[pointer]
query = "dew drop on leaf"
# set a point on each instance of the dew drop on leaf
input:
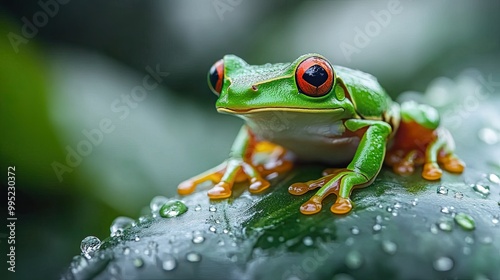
(443, 264)
(481, 189)
(389, 247)
(193, 257)
(119, 224)
(89, 245)
(465, 221)
(354, 260)
(442, 190)
(198, 237)
(157, 202)
(355, 230)
(138, 262)
(173, 208)
(308, 241)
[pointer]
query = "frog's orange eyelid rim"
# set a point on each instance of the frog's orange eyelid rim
(314, 76)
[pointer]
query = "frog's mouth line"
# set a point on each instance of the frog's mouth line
(280, 109)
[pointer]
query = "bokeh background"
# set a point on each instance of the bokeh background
(67, 66)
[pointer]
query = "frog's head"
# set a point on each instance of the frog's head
(306, 85)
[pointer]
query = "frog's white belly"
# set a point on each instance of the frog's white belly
(310, 137)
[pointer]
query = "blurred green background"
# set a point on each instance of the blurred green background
(69, 68)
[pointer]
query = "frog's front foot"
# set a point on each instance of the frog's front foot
(340, 182)
(237, 170)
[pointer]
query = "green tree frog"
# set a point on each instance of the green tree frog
(318, 112)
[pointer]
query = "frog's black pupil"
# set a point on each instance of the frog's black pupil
(214, 76)
(315, 75)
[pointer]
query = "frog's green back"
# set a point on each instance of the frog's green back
(368, 96)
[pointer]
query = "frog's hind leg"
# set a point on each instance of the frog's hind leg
(441, 151)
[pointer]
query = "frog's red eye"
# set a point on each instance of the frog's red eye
(216, 77)
(314, 76)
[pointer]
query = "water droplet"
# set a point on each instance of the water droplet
(377, 227)
(445, 225)
(349, 241)
(217, 221)
(495, 220)
(355, 230)
(221, 242)
(459, 195)
(89, 245)
(494, 178)
(442, 190)
(137, 238)
(434, 229)
(126, 250)
(212, 208)
(138, 262)
(198, 237)
(394, 213)
(414, 202)
(465, 221)
(193, 257)
(212, 229)
(308, 241)
(389, 247)
(481, 189)
(397, 205)
(119, 224)
(469, 240)
(173, 208)
(270, 239)
(443, 264)
(488, 136)
(354, 260)
(281, 239)
(157, 202)
(389, 209)
(445, 210)
(226, 231)
(197, 207)
(378, 219)
(166, 262)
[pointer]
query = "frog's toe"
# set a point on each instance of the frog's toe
(404, 168)
(258, 185)
(298, 188)
(341, 206)
(432, 171)
(186, 187)
(452, 164)
(312, 206)
(221, 190)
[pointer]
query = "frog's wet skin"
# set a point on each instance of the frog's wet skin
(325, 113)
